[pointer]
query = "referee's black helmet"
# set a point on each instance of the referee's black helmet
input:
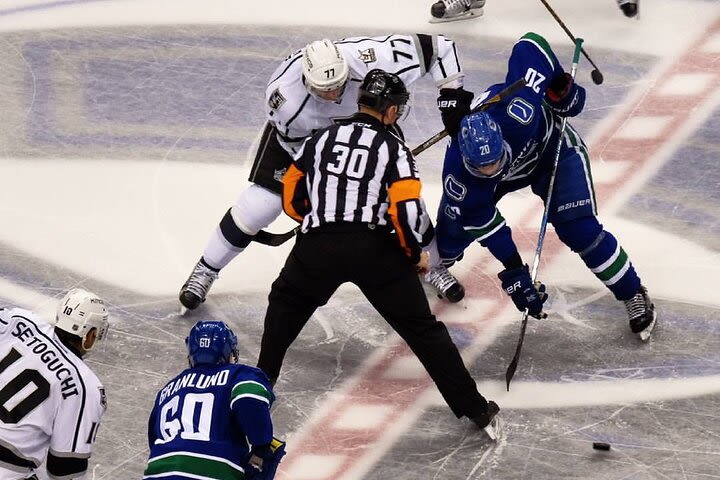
(380, 89)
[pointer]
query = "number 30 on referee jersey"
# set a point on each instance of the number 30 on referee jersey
(351, 161)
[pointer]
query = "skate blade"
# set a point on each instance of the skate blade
(647, 333)
(494, 429)
(183, 310)
(474, 13)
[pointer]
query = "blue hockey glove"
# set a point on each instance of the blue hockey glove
(454, 104)
(264, 460)
(565, 97)
(518, 284)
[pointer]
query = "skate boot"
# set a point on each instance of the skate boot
(489, 421)
(630, 8)
(641, 312)
(196, 287)
(446, 285)
(452, 10)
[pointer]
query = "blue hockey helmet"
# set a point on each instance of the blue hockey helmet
(211, 343)
(481, 144)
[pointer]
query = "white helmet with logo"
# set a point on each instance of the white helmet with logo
(324, 67)
(79, 312)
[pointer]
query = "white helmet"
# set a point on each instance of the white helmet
(324, 67)
(79, 312)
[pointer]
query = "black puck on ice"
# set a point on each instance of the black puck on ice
(601, 446)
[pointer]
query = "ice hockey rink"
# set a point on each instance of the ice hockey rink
(128, 127)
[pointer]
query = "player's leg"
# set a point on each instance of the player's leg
(573, 214)
(452, 10)
(256, 207)
(392, 286)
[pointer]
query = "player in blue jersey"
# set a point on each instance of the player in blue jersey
(212, 421)
(512, 145)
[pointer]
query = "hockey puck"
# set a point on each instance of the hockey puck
(601, 446)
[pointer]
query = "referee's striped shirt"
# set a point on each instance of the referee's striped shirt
(358, 172)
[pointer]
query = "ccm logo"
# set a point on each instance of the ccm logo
(447, 103)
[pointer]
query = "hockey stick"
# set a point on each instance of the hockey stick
(274, 239)
(501, 95)
(543, 225)
(596, 75)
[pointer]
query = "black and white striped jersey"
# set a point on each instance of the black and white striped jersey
(51, 403)
(296, 114)
(358, 172)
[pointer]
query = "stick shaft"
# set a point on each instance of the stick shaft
(567, 31)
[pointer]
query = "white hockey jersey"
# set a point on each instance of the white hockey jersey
(50, 401)
(296, 114)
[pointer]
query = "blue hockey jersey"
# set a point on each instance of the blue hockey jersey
(530, 128)
(205, 420)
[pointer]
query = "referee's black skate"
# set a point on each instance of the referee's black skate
(445, 283)
(489, 421)
(641, 312)
(196, 287)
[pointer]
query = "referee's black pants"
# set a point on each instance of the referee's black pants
(329, 256)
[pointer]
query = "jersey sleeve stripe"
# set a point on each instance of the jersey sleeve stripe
(541, 44)
(250, 388)
(7, 455)
(427, 50)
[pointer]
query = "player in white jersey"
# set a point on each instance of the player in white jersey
(50, 401)
(309, 90)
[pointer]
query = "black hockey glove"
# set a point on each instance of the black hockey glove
(454, 104)
(565, 97)
(518, 284)
(264, 460)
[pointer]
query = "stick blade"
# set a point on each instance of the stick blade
(597, 77)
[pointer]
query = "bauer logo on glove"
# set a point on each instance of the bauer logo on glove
(524, 293)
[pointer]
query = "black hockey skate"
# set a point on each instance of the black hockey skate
(445, 283)
(641, 312)
(195, 288)
(489, 421)
(629, 7)
(453, 10)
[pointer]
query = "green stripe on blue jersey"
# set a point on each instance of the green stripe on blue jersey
(484, 231)
(192, 465)
(249, 388)
(542, 45)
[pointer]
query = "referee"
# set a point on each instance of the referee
(350, 185)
